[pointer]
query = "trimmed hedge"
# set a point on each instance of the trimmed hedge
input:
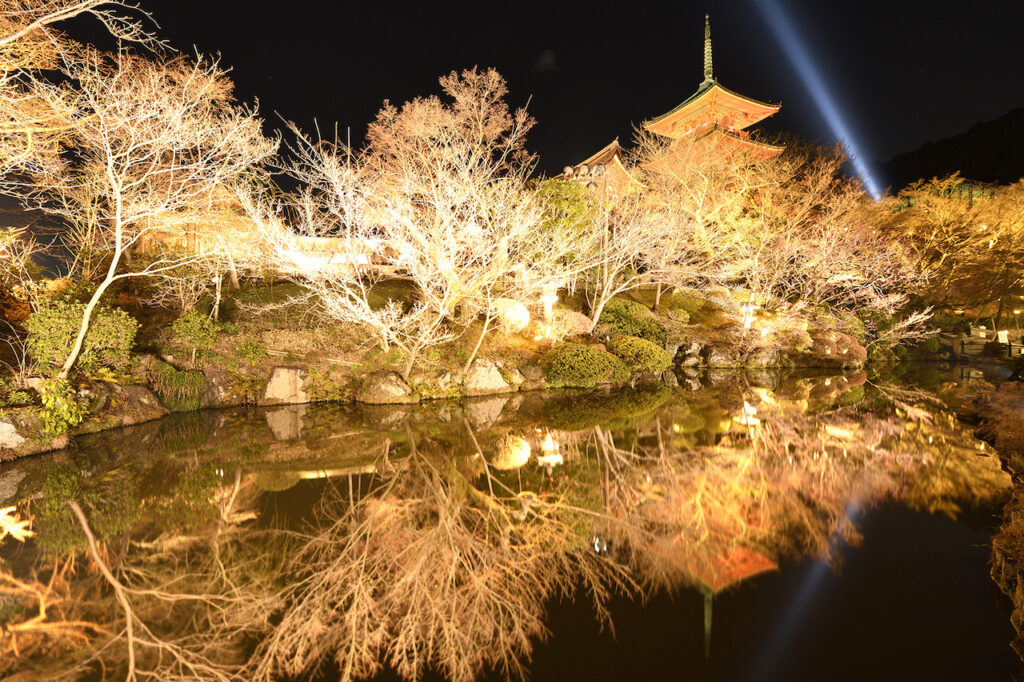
(577, 365)
(630, 318)
(640, 355)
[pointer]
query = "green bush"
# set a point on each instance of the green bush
(108, 342)
(20, 398)
(61, 409)
(630, 318)
(251, 351)
(195, 331)
(931, 345)
(688, 300)
(640, 355)
(573, 364)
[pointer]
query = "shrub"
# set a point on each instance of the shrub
(640, 355)
(686, 299)
(61, 409)
(632, 319)
(20, 398)
(53, 328)
(252, 351)
(196, 332)
(178, 391)
(931, 345)
(573, 364)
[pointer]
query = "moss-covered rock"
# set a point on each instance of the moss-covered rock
(630, 318)
(640, 355)
(683, 300)
(577, 365)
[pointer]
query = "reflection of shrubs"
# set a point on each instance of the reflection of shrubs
(178, 391)
(632, 319)
(573, 364)
(53, 328)
(640, 355)
(111, 501)
(624, 409)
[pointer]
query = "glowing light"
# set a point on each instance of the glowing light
(551, 457)
(747, 418)
(785, 32)
(548, 298)
(748, 314)
(515, 452)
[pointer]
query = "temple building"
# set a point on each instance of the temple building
(712, 115)
(603, 171)
(715, 113)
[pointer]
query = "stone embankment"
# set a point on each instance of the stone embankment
(162, 386)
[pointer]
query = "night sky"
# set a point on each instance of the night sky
(902, 72)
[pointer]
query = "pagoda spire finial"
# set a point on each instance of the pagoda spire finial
(709, 76)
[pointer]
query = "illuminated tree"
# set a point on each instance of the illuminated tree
(439, 197)
(152, 144)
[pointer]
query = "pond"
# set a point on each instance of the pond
(761, 527)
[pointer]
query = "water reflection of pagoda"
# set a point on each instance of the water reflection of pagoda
(712, 115)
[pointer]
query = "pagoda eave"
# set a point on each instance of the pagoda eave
(711, 103)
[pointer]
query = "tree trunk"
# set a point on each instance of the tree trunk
(83, 328)
(235, 286)
(657, 297)
(215, 313)
(483, 332)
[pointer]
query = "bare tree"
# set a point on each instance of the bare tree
(439, 198)
(152, 144)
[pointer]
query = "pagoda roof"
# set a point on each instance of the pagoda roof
(728, 142)
(720, 102)
(605, 155)
(609, 156)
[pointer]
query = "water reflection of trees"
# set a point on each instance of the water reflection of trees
(440, 546)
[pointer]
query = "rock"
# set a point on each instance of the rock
(719, 358)
(286, 423)
(690, 361)
(763, 357)
(286, 385)
(217, 391)
(141, 404)
(385, 388)
(484, 378)
(9, 436)
(515, 377)
(98, 394)
(483, 412)
(532, 372)
(571, 322)
(670, 378)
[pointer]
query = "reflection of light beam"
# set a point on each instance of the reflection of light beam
(798, 56)
(767, 660)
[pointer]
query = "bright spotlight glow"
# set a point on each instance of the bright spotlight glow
(802, 62)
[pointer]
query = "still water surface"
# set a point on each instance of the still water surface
(803, 527)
